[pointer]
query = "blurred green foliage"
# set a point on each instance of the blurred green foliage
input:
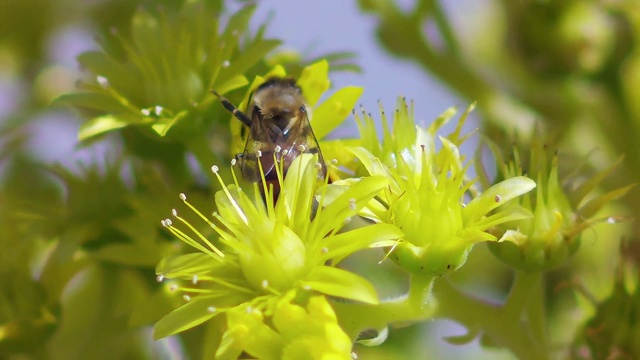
(569, 68)
(79, 247)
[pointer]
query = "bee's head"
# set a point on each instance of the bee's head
(279, 99)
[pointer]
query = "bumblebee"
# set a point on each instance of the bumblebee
(279, 131)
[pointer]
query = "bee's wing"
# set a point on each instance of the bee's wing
(303, 140)
(262, 140)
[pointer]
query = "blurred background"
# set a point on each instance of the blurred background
(80, 226)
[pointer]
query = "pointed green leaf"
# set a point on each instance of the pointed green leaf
(248, 58)
(235, 82)
(104, 124)
(347, 243)
(314, 81)
(191, 314)
(348, 204)
(341, 283)
(497, 195)
(334, 110)
(162, 126)
(592, 206)
(91, 100)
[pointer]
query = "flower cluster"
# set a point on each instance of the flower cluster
(558, 213)
(425, 197)
(270, 251)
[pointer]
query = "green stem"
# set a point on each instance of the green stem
(415, 306)
(496, 322)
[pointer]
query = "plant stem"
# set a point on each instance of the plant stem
(503, 325)
(417, 305)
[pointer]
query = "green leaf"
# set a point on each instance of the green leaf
(347, 204)
(592, 206)
(186, 265)
(104, 124)
(91, 100)
(341, 283)
(314, 81)
(345, 244)
(497, 195)
(235, 82)
(191, 314)
(332, 112)
(162, 126)
(248, 57)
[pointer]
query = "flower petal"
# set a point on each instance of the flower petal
(341, 283)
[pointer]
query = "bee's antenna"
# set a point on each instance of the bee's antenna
(234, 110)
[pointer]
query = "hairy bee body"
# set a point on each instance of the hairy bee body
(279, 131)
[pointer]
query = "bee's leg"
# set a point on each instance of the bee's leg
(234, 110)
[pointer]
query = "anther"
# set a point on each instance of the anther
(174, 212)
(186, 297)
(194, 280)
(215, 169)
(159, 278)
(182, 197)
(102, 81)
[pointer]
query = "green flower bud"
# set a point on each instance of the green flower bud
(426, 196)
(547, 238)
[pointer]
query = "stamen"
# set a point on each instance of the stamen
(145, 112)
(159, 278)
(173, 287)
(182, 197)
(278, 149)
(186, 297)
(194, 280)
(497, 198)
(215, 169)
(233, 173)
(174, 212)
(226, 63)
(285, 152)
(352, 204)
(265, 284)
(301, 148)
(158, 110)
(211, 309)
